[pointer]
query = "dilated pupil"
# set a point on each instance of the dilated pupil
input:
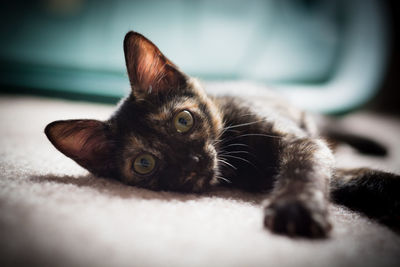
(182, 121)
(145, 163)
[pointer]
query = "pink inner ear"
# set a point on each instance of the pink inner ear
(148, 69)
(85, 141)
(82, 143)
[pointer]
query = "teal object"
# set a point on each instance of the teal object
(307, 49)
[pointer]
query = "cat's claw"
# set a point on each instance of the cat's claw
(296, 219)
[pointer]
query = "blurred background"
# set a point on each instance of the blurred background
(331, 56)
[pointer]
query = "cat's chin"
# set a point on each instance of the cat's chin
(214, 181)
(199, 185)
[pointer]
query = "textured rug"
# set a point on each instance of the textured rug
(53, 213)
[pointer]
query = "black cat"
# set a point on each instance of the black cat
(169, 135)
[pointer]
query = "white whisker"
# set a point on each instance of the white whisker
(236, 144)
(243, 124)
(227, 163)
(235, 152)
(223, 179)
(245, 160)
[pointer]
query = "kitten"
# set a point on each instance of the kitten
(169, 135)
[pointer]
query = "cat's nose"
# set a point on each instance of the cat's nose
(194, 160)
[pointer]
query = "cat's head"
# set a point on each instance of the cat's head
(162, 136)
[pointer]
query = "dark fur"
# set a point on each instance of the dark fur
(270, 147)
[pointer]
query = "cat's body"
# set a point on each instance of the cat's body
(169, 135)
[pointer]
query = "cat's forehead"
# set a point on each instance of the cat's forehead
(143, 144)
(165, 111)
(196, 102)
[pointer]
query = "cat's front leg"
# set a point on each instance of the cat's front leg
(298, 204)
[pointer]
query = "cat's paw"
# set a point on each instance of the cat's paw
(297, 218)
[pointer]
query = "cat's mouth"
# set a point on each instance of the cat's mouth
(198, 183)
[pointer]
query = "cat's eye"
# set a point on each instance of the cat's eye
(144, 164)
(183, 121)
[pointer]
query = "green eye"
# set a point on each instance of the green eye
(183, 121)
(144, 164)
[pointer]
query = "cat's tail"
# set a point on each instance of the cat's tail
(371, 192)
(335, 132)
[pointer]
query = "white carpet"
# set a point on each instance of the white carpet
(52, 213)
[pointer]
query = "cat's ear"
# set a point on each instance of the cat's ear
(149, 71)
(85, 141)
